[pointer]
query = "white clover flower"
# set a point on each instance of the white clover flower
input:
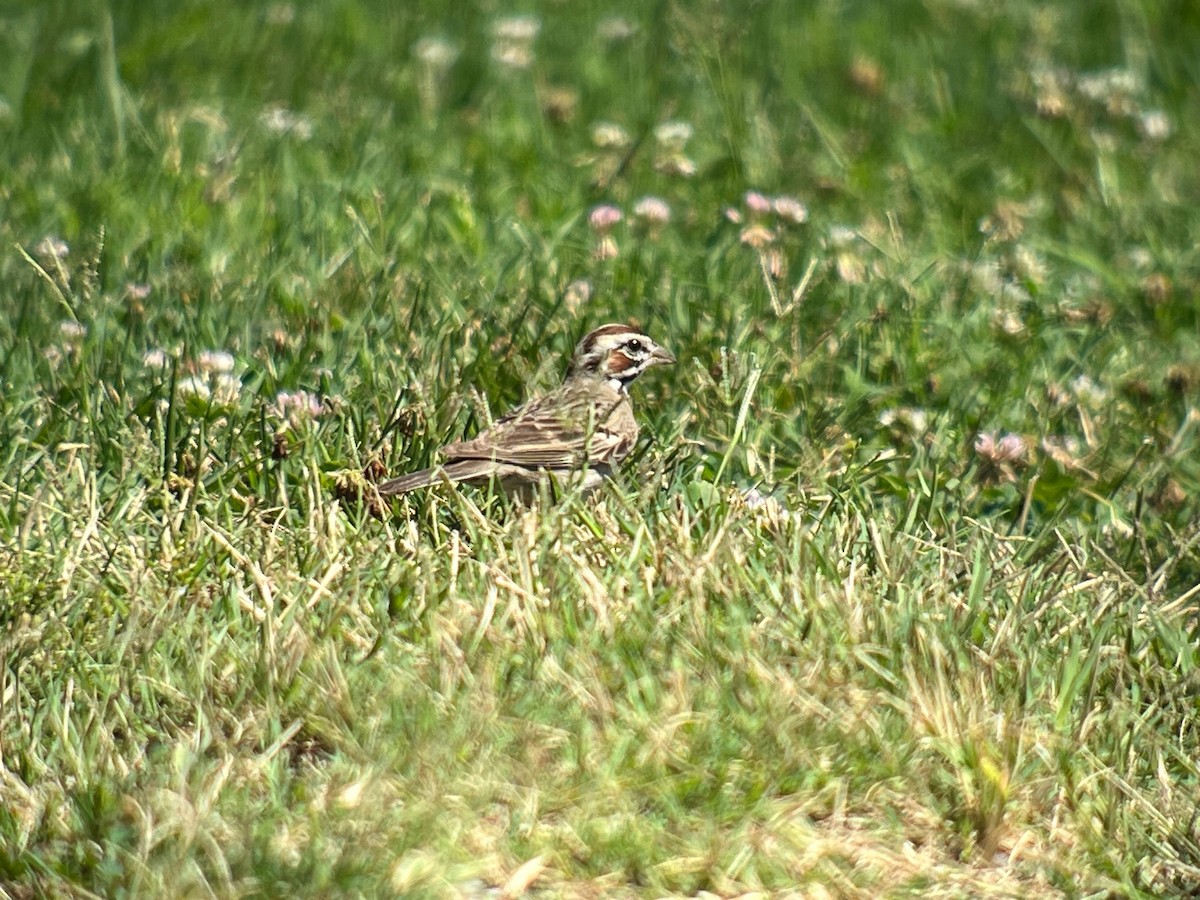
(1051, 104)
(676, 164)
(280, 120)
(789, 209)
(1087, 392)
(850, 267)
(986, 276)
(513, 56)
(673, 134)
(435, 52)
(156, 359)
(72, 332)
(905, 418)
(1092, 85)
(215, 361)
(51, 249)
(520, 29)
(1013, 293)
(1114, 88)
(765, 505)
(609, 136)
(1141, 258)
(918, 420)
(1063, 450)
(281, 14)
(615, 28)
(1102, 85)
(1155, 125)
(226, 389)
(842, 236)
(577, 294)
(653, 211)
(1030, 265)
(194, 386)
(297, 406)
(1050, 87)
(1007, 321)
(513, 38)
(670, 159)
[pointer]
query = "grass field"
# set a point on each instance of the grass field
(897, 597)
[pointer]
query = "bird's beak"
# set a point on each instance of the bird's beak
(661, 357)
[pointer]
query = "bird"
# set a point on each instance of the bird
(581, 429)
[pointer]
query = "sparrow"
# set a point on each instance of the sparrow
(582, 429)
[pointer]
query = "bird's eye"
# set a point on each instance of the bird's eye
(635, 345)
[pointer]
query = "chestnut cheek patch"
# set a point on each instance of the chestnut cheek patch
(618, 362)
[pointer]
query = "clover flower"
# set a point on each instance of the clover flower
(156, 360)
(790, 210)
(51, 249)
(295, 407)
(654, 213)
(215, 361)
(602, 220)
(512, 41)
(280, 120)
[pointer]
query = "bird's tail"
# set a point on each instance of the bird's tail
(461, 470)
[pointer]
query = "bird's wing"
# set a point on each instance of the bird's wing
(470, 470)
(562, 430)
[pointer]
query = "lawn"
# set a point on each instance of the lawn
(897, 596)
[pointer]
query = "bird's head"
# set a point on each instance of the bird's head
(617, 353)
